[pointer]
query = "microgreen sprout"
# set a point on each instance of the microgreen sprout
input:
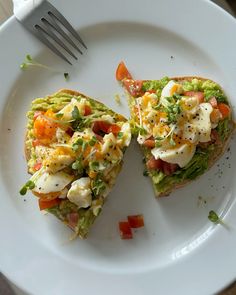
(30, 62)
(213, 217)
(29, 185)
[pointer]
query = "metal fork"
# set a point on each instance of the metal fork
(43, 20)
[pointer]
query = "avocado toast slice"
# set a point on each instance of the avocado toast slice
(183, 126)
(74, 148)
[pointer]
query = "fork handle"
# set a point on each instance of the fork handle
(22, 8)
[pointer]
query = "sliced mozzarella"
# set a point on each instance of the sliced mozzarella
(170, 88)
(142, 138)
(180, 155)
(161, 130)
(126, 138)
(152, 116)
(202, 122)
(109, 142)
(62, 136)
(190, 132)
(80, 192)
(48, 183)
(57, 162)
(67, 110)
(107, 118)
(43, 152)
(189, 105)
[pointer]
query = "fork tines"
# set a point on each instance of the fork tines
(49, 25)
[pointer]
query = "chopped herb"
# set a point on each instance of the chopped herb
(29, 185)
(59, 115)
(66, 76)
(213, 217)
(98, 186)
(94, 166)
(77, 165)
(75, 113)
(23, 190)
(93, 141)
(145, 173)
(120, 135)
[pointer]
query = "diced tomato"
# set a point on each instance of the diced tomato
(37, 113)
(134, 87)
(213, 102)
(224, 109)
(169, 168)
(150, 143)
(87, 110)
(37, 166)
(105, 127)
(198, 94)
(70, 131)
(215, 138)
(100, 126)
(122, 72)
(125, 230)
(136, 221)
(115, 129)
(152, 91)
(154, 164)
(73, 219)
(166, 168)
(48, 204)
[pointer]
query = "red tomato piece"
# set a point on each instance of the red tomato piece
(37, 166)
(122, 72)
(73, 219)
(224, 109)
(150, 143)
(166, 168)
(213, 102)
(134, 87)
(136, 221)
(101, 126)
(198, 94)
(125, 230)
(169, 168)
(48, 204)
(154, 164)
(87, 110)
(115, 129)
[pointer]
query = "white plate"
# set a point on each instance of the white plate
(178, 251)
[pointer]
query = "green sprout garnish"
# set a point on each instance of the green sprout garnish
(29, 185)
(145, 173)
(98, 186)
(59, 115)
(213, 217)
(93, 141)
(77, 165)
(66, 76)
(30, 62)
(120, 135)
(94, 166)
